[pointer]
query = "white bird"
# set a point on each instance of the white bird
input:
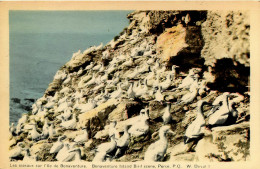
(123, 142)
(130, 92)
(99, 46)
(34, 134)
(27, 156)
(14, 153)
(64, 106)
(102, 69)
(187, 81)
(125, 85)
(88, 106)
(195, 130)
(12, 129)
(150, 78)
(189, 97)
(68, 79)
(92, 81)
(114, 81)
(67, 113)
(144, 68)
(100, 157)
(173, 72)
(133, 74)
(51, 131)
(23, 119)
(151, 60)
(104, 78)
(218, 102)
(89, 50)
(233, 114)
(157, 150)
(107, 147)
(111, 68)
(156, 82)
(118, 93)
(49, 105)
(167, 83)
(82, 138)
(113, 131)
(62, 154)
(90, 66)
(65, 90)
(70, 124)
(57, 146)
(140, 127)
(139, 89)
(80, 71)
(157, 65)
(115, 60)
(121, 57)
(42, 112)
(60, 75)
(160, 71)
(97, 67)
(105, 54)
(45, 128)
(220, 112)
(75, 54)
(128, 63)
(158, 95)
(167, 117)
(73, 155)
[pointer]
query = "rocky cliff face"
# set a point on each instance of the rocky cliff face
(208, 46)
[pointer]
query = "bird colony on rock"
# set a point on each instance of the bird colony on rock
(136, 75)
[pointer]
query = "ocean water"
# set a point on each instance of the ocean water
(42, 41)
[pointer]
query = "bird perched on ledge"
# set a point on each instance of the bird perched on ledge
(157, 150)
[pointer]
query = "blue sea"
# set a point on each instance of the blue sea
(43, 41)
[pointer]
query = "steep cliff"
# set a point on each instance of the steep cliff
(210, 46)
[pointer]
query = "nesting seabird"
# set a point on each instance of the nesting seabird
(45, 129)
(194, 131)
(83, 137)
(157, 150)
(14, 153)
(57, 146)
(221, 112)
(34, 133)
(123, 142)
(167, 83)
(113, 131)
(27, 156)
(133, 74)
(90, 66)
(140, 127)
(100, 157)
(97, 67)
(62, 154)
(189, 97)
(70, 124)
(12, 129)
(51, 130)
(187, 81)
(118, 93)
(158, 95)
(167, 117)
(73, 155)
(107, 147)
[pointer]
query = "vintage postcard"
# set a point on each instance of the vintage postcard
(113, 84)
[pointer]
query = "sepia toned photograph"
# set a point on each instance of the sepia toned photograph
(114, 87)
